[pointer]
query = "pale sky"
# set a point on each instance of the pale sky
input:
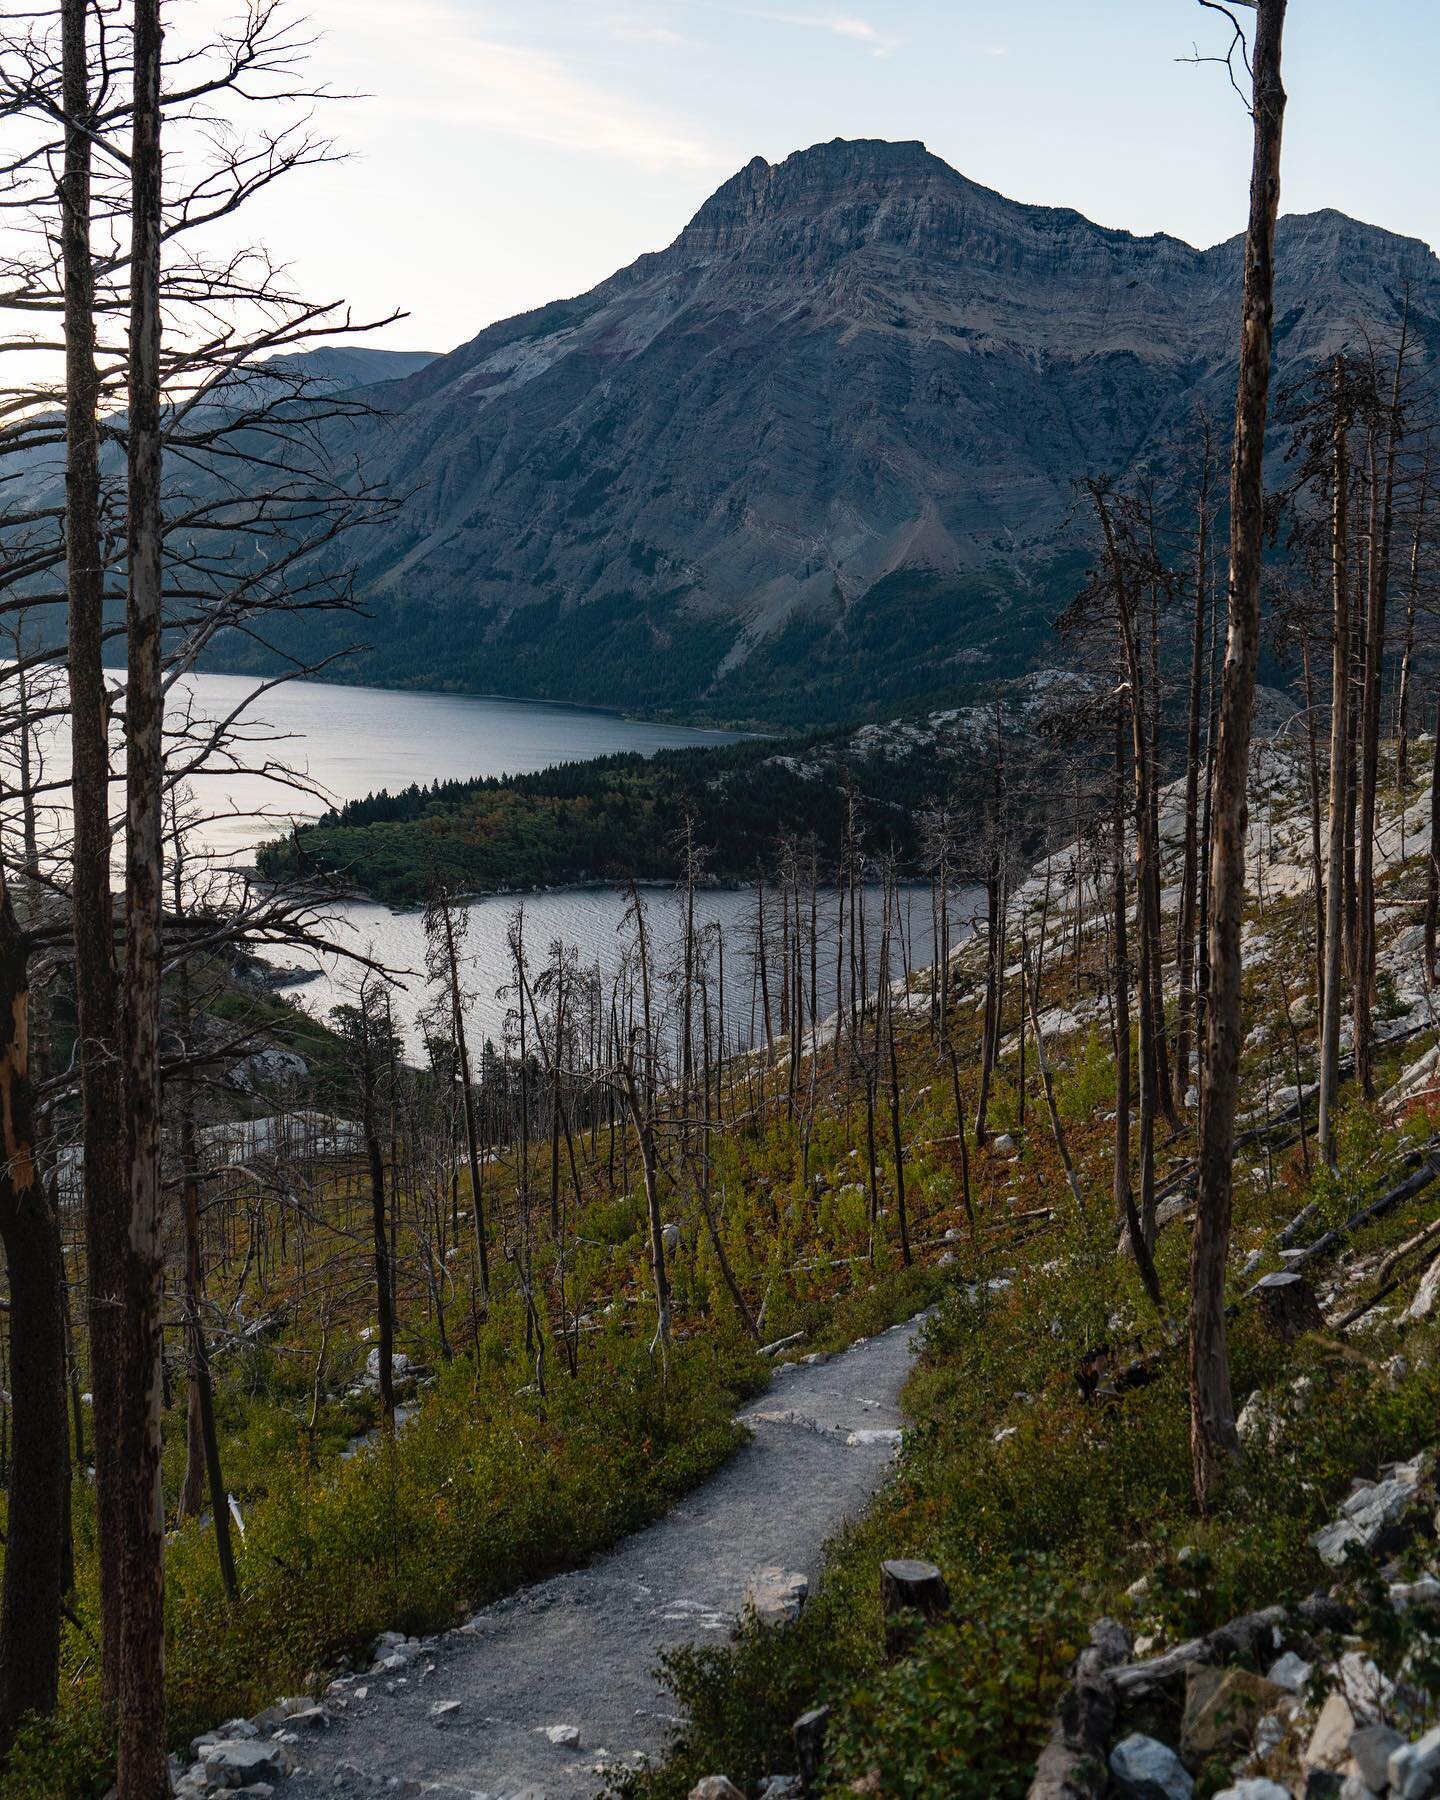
(512, 152)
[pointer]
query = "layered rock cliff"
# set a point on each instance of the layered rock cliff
(820, 453)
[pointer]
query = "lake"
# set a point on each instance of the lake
(592, 920)
(307, 745)
(351, 741)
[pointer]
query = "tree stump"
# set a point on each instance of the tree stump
(1288, 1305)
(908, 1588)
(808, 1731)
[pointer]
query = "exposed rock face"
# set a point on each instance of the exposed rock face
(823, 447)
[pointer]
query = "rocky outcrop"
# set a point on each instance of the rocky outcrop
(1323, 1719)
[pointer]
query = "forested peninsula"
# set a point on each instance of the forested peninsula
(635, 817)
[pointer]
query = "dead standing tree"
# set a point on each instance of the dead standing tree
(1384, 450)
(366, 1026)
(638, 1077)
(38, 1506)
(140, 1698)
(176, 563)
(1212, 1431)
(1190, 867)
(444, 933)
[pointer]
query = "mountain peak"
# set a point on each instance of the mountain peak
(844, 168)
(824, 446)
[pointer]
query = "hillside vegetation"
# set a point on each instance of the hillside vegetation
(1040, 1508)
(1047, 1506)
(630, 817)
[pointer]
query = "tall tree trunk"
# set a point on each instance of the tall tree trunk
(202, 1442)
(1127, 1215)
(384, 1289)
(1312, 785)
(964, 1148)
(92, 911)
(201, 1391)
(897, 1144)
(37, 1544)
(645, 1136)
(142, 1770)
(1412, 606)
(1146, 914)
(762, 952)
(1331, 994)
(1190, 867)
(1212, 1434)
(1382, 517)
(642, 1111)
(472, 1149)
(1432, 877)
(995, 961)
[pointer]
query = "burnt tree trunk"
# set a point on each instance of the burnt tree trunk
(1190, 867)
(1212, 1432)
(142, 1768)
(1382, 517)
(37, 1546)
(1330, 997)
(92, 910)
(467, 1100)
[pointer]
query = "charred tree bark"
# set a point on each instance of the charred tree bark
(1212, 1435)
(92, 910)
(142, 1768)
(1330, 1000)
(37, 1547)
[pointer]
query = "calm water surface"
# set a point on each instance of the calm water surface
(348, 742)
(593, 922)
(305, 746)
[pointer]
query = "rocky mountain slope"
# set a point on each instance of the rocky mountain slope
(820, 452)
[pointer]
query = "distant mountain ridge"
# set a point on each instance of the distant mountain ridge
(818, 454)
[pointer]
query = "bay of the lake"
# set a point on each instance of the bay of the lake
(302, 746)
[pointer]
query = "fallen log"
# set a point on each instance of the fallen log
(1241, 1638)
(1385, 1289)
(1420, 1177)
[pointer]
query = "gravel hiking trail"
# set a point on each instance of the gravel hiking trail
(534, 1696)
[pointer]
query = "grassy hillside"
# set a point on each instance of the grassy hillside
(1040, 1509)
(1044, 1512)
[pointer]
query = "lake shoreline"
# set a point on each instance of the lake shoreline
(659, 716)
(594, 884)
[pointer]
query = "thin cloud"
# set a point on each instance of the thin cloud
(636, 28)
(841, 25)
(440, 70)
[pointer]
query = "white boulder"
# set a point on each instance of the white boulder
(1145, 1769)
